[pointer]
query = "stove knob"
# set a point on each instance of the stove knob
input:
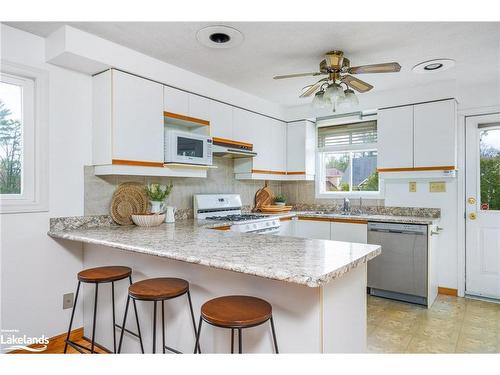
(247, 227)
(255, 226)
(268, 223)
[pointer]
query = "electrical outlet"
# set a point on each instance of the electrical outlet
(68, 301)
(437, 187)
(413, 187)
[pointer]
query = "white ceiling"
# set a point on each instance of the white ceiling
(272, 48)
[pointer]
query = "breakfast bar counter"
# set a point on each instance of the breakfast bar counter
(317, 287)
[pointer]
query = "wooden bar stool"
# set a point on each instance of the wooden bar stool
(97, 276)
(158, 289)
(236, 312)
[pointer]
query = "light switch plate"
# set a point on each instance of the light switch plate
(437, 187)
(67, 301)
(412, 187)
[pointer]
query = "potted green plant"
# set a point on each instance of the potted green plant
(157, 194)
(280, 200)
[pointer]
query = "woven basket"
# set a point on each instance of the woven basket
(129, 198)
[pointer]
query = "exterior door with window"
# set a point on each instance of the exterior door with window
(483, 206)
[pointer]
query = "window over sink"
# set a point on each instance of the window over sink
(347, 159)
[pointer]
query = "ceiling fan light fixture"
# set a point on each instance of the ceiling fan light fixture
(334, 92)
(349, 101)
(319, 101)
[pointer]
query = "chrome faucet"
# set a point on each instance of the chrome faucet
(346, 206)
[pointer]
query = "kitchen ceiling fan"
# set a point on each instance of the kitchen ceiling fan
(338, 70)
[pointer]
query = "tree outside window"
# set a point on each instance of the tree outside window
(10, 140)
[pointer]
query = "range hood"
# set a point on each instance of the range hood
(228, 148)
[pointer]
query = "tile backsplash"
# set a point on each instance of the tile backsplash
(99, 189)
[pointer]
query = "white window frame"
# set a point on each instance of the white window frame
(34, 180)
(320, 170)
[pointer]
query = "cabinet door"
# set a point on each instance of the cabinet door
(277, 146)
(286, 228)
(312, 229)
(253, 128)
(137, 118)
(435, 134)
(395, 137)
(221, 120)
(175, 101)
(295, 147)
(349, 232)
(199, 107)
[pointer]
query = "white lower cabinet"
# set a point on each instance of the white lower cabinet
(325, 230)
(312, 229)
(287, 228)
(349, 232)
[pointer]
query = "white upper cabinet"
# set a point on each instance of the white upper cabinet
(418, 137)
(268, 137)
(175, 101)
(300, 149)
(395, 137)
(137, 107)
(277, 145)
(199, 107)
(435, 129)
(221, 120)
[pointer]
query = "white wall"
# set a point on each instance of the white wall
(35, 269)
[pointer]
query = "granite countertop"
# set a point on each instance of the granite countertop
(303, 261)
(366, 216)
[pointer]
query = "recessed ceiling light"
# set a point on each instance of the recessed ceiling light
(219, 36)
(432, 66)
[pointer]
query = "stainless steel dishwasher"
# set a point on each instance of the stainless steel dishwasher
(400, 272)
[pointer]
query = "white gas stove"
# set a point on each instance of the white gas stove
(227, 207)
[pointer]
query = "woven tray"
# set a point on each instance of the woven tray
(128, 199)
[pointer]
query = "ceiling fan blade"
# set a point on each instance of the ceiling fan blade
(312, 88)
(298, 75)
(376, 68)
(357, 84)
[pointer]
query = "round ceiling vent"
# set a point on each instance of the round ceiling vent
(436, 65)
(219, 36)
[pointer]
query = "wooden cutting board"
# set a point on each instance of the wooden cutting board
(263, 197)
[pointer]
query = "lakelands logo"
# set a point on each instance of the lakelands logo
(11, 340)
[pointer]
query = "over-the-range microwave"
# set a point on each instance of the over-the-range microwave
(187, 148)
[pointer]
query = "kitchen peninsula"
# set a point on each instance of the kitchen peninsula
(317, 287)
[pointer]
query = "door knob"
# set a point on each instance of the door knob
(472, 216)
(471, 200)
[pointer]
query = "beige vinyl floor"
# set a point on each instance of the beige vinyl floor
(451, 325)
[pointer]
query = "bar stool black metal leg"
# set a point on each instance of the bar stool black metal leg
(274, 336)
(232, 340)
(114, 323)
(123, 325)
(72, 316)
(95, 314)
(240, 341)
(197, 343)
(192, 318)
(154, 328)
(137, 319)
(163, 324)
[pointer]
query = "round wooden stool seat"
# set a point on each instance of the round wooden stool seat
(158, 289)
(104, 274)
(236, 311)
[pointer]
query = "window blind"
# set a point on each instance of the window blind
(347, 134)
